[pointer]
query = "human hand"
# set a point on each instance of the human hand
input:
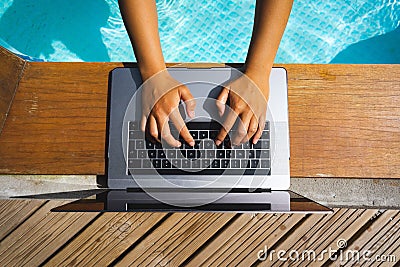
(248, 101)
(161, 96)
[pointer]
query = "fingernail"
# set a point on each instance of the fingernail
(218, 142)
(179, 144)
(191, 114)
(255, 141)
(191, 143)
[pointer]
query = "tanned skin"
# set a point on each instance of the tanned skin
(141, 22)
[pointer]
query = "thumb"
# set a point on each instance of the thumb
(190, 103)
(221, 100)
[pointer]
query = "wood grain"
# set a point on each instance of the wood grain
(344, 120)
(11, 69)
(380, 235)
(105, 239)
(41, 235)
(15, 212)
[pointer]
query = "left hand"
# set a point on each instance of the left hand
(248, 98)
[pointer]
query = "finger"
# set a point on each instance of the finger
(181, 127)
(227, 126)
(241, 133)
(152, 129)
(261, 126)
(143, 122)
(253, 127)
(190, 103)
(221, 100)
(163, 127)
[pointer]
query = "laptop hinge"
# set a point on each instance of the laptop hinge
(232, 190)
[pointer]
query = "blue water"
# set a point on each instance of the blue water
(340, 31)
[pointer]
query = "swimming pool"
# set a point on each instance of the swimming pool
(343, 31)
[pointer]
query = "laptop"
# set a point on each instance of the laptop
(143, 175)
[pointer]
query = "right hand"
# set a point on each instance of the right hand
(161, 96)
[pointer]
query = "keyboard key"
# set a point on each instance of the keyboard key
(265, 164)
(146, 163)
(197, 144)
(225, 163)
(264, 144)
(132, 154)
(142, 154)
(240, 154)
(220, 154)
(132, 145)
(186, 145)
(257, 145)
(186, 163)
(176, 163)
(139, 144)
(149, 145)
(136, 135)
(265, 135)
(165, 164)
(235, 164)
(213, 134)
(181, 154)
(246, 145)
(250, 154)
(133, 125)
(209, 144)
(205, 163)
(158, 145)
(152, 153)
(264, 154)
(160, 154)
(203, 135)
(194, 134)
(254, 163)
(244, 163)
(157, 163)
(134, 163)
(171, 153)
(196, 164)
(191, 154)
(210, 154)
(229, 153)
(216, 164)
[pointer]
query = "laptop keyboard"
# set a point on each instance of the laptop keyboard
(205, 158)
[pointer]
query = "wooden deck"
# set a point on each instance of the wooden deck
(31, 235)
(344, 122)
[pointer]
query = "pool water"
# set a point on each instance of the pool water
(337, 31)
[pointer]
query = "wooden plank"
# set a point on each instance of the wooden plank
(195, 239)
(265, 236)
(340, 115)
(11, 69)
(373, 236)
(176, 239)
(314, 233)
(245, 241)
(41, 235)
(328, 236)
(385, 241)
(14, 212)
(147, 247)
(345, 115)
(394, 257)
(297, 236)
(105, 239)
(231, 233)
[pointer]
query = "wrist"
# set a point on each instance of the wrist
(146, 71)
(260, 77)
